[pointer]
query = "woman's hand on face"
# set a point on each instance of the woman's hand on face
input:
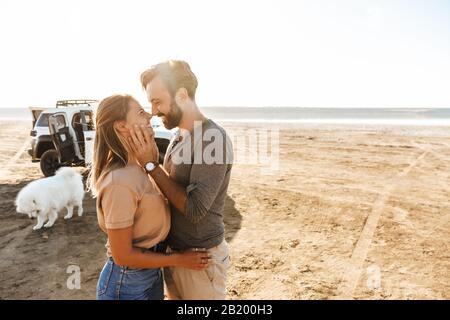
(143, 144)
(195, 260)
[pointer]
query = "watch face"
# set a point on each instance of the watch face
(149, 166)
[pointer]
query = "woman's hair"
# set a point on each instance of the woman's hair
(110, 150)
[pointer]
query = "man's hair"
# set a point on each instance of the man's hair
(175, 74)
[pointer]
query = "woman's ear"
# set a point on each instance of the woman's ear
(121, 127)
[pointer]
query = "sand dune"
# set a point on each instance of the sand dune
(352, 212)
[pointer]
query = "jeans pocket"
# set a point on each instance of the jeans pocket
(137, 276)
(104, 279)
(142, 284)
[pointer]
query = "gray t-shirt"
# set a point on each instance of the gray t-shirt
(201, 162)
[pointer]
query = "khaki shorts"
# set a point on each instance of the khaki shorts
(208, 284)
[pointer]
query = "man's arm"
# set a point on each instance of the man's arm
(206, 181)
(144, 148)
(119, 205)
(125, 254)
(173, 191)
(195, 200)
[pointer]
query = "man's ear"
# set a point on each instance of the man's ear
(181, 96)
(121, 127)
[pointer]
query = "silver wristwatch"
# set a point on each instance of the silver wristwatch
(150, 166)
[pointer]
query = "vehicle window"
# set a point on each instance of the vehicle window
(60, 121)
(156, 122)
(89, 120)
(43, 120)
(76, 120)
(88, 117)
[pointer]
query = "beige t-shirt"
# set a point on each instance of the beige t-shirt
(129, 197)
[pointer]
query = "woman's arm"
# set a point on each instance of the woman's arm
(124, 254)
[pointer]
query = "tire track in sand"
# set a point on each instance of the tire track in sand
(19, 153)
(7, 165)
(351, 277)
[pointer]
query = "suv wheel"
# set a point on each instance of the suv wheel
(50, 162)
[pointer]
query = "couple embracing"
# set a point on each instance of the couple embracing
(164, 223)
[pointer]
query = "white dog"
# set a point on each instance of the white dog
(44, 198)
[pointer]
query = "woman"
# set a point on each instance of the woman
(130, 209)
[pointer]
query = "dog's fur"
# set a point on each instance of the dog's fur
(44, 198)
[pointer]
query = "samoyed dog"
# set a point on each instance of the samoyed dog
(44, 198)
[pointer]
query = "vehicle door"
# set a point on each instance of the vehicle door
(61, 137)
(87, 122)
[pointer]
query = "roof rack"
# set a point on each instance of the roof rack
(66, 103)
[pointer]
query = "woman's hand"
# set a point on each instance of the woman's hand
(195, 260)
(143, 144)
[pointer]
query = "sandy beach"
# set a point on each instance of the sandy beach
(354, 212)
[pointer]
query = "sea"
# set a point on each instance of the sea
(385, 116)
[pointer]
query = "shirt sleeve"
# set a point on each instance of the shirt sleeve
(205, 183)
(119, 205)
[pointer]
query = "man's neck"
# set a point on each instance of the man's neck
(189, 118)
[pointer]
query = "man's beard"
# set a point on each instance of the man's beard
(173, 118)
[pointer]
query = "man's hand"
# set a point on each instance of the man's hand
(143, 144)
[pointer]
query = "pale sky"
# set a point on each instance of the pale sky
(313, 53)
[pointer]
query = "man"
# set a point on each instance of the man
(194, 179)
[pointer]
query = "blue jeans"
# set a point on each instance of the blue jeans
(124, 283)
